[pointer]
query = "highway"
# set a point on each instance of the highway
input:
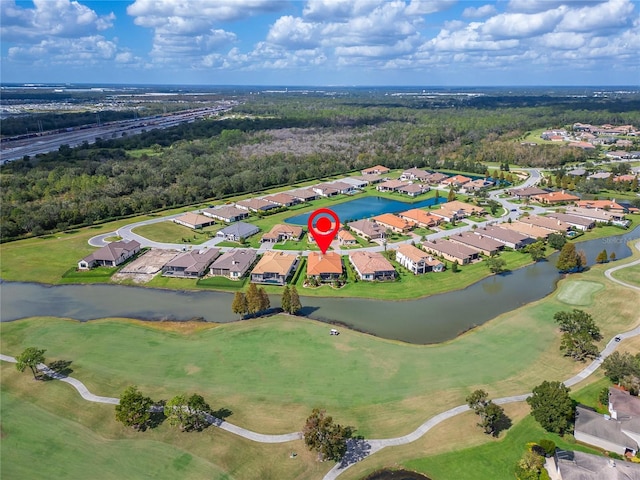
(16, 149)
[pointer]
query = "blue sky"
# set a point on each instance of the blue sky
(322, 42)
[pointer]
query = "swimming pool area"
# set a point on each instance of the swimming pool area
(368, 207)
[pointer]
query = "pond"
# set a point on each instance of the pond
(366, 207)
(427, 320)
(395, 475)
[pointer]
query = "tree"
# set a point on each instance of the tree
(493, 206)
(612, 257)
(452, 195)
(579, 331)
(30, 357)
(618, 365)
(285, 303)
(490, 414)
(265, 302)
(254, 301)
(496, 264)
(189, 414)
(295, 306)
(326, 437)
(239, 304)
(134, 409)
(568, 261)
(556, 241)
(603, 257)
(454, 267)
(537, 250)
(552, 407)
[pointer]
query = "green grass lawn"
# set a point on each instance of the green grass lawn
(629, 275)
(171, 232)
(578, 292)
(495, 460)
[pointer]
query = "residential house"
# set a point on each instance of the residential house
(394, 223)
(226, 213)
(193, 220)
(256, 205)
(599, 176)
(421, 218)
(237, 231)
(457, 210)
(325, 190)
(476, 185)
(192, 264)
(575, 221)
(280, 233)
(526, 192)
(455, 181)
(274, 268)
(485, 245)
(377, 170)
(326, 267)
(345, 188)
(527, 229)
(608, 205)
(372, 266)
(369, 179)
(356, 182)
(436, 178)
(282, 199)
(552, 224)
(624, 178)
(452, 251)
(391, 185)
(509, 238)
(554, 198)
(304, 194)
(573, 465)
(345, 238)
(414, 189)
(234, 264)
(618, 432)
(582, 145)
(367, 229)
(415, 174)
(111, 255)
(416, 260)
(577, 172)
(599, 215)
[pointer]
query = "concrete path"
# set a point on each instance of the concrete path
(609, 271)
(229, 427)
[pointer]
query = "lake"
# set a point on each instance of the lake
(427, 320)
(366, 207)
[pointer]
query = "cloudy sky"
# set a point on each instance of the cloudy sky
(322, 42)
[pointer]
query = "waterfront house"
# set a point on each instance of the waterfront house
(367, 229)
(573, 465)
(553, 224)
(485, 245)
(280, 233)
(325, 267)
(509, 238)
(111, 255)
(414, 189)
(192, 264)
(415, 174)
(274, 268)
(391, 185)
(234, 264)
(325, 190)
(394, 223)
(417, 261)
(372, 266)
(455, 181)
(422, 218)
(282, 199)
(452, 251)
(256, 205)
(532, 231)
(575, 221)
(304, 194)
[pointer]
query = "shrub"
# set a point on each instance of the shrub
(544, 475)
(549, 446)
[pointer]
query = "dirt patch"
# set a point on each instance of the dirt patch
(191, 369)
(146, 266)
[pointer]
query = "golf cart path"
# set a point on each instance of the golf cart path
(609, 271)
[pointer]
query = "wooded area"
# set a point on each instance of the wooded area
(277, 141)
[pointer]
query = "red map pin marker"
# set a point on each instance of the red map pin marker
(322, 232)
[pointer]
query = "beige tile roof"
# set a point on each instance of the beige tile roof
(413, 253)
(194, 219)
(368, 263)
(421, 217)
(391, 220)
(327, 263)
(275, 262)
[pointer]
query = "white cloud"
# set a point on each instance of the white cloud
(152, 13)
(470, 38)
(479, 12)
(78, 51)
(522, 25)
(55, 18)
(337, 10)
(425, 7)
(615, 13)
(294, 32)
